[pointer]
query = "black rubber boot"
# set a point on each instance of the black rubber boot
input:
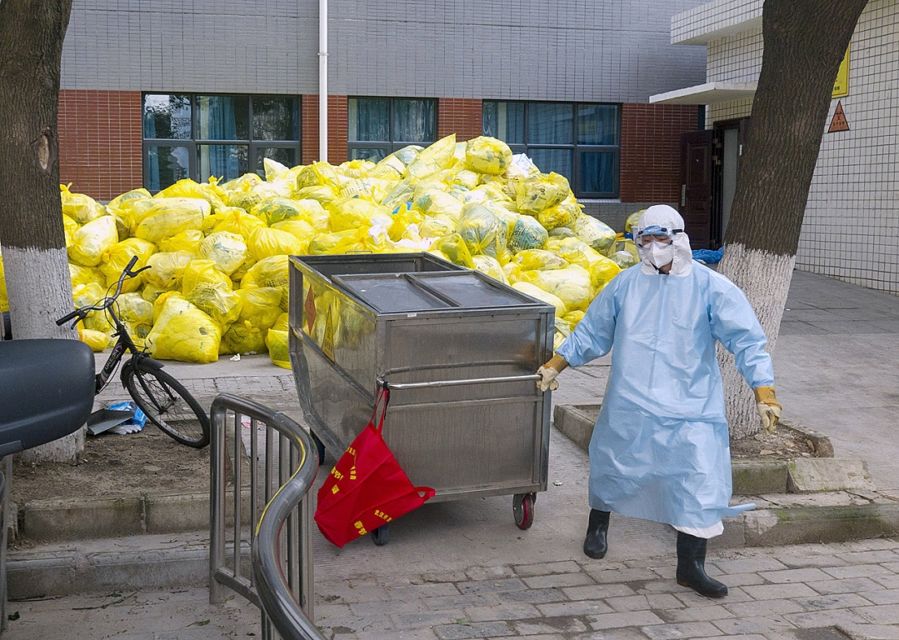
(691, 567)
(596, 543)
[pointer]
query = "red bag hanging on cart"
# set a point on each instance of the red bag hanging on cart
(367, 488)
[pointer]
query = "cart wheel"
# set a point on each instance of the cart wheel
(381, 535)
(320, 448)
(523, 509)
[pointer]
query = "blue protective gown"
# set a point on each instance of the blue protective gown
(660, 448)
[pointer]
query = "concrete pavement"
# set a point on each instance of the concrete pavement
(836, 372)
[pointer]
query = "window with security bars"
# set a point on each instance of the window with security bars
(198, 136)
(380, 126)
(580, 141)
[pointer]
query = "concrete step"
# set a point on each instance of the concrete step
(113, 564)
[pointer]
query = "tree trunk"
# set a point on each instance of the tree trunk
(804, 42)
(31, 229)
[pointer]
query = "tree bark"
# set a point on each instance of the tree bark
(804, 41)
(31, 229)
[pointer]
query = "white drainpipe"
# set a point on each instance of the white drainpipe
(323, 80)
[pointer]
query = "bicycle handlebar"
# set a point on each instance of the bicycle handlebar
(67, 317)
(107, 302)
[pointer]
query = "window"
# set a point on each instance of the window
(580, 141)
(380, 126)
(198, 136)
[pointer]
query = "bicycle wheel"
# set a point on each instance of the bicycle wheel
(167, 404)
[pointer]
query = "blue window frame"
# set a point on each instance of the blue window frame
(578, 140)
(379, 126)
(202, 135)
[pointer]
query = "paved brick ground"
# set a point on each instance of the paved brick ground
(810, 592)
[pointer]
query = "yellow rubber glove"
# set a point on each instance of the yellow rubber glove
(547, 381)
(768, 407)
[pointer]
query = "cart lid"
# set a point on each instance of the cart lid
(430, 291)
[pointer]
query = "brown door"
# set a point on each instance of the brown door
(697, 166)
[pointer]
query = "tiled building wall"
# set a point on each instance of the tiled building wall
(851, 219)
(569, 50)
(100, 141)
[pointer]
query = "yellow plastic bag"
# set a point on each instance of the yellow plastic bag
(576, 251)
(434, 202)
(187, 188)
(89, 294)
(124, 199)
(572, 285)
(227, 250)
(357, 213)
(4, 297)
(437, 227)
(533, 195)
(483, 232)
(538, 260)
(490, 267)
(274, 169)
(166, 269)
(454, 248)
(624, 253)
(210, 290)
(563, 214)
(299, 229)
(562, 331)
(170, 216)
(266, 242)
(276, 210)
(119, 255)
(85, 275)
(536, 292)
(318, 173)
(433, 159)
(203, 273)
(236, 220)
(79, 206)
(349, 241)
(183, 332)
(273, 271)
(633, 220)
(573, 318)
(92, 240)
(134, 309)
(526, 233)
(188, 240)
(259, 311)
(487, 155)
(276, 340)
(69, 227)
(151, 293)
(323, 194)
(597, 234)
(96, 340)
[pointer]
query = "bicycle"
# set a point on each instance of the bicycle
(158, 394)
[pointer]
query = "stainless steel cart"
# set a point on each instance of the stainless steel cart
(458, 351)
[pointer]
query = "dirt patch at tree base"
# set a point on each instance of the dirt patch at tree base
(114, 466)
(783, 444)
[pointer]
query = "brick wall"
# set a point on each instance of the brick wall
(650, 150)
(100, 141)
(462, 116)
(337, 128)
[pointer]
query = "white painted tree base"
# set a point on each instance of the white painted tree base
(765, 279)
(40, 291)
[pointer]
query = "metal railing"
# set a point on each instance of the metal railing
(281, 469)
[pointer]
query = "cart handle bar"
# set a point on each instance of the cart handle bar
(455, 383)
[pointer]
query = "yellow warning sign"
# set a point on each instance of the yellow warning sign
(841, 84)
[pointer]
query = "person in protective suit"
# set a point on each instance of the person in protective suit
(660, 448)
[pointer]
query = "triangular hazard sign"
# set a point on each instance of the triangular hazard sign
(838, 123)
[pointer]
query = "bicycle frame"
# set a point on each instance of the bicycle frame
(124, 343)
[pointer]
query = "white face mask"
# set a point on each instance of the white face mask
(658, 254)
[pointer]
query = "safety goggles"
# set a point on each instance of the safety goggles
(657, 232)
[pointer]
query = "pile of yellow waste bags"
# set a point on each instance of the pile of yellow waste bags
(219, 251)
